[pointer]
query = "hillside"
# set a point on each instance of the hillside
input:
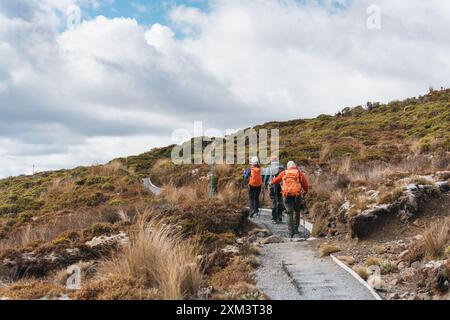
(381, 167)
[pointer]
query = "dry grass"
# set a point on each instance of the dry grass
(162, 258)
(380, 249)
(347, 260)
(109, 169)
(360, 202)
(361, 271)
(236, 273)
(59, 185)
(373, 261)
(223, 170)
(425, 181)
(326, 249)
(325, 153)
(32, 290)
(370, 173)
(337, 199)
(436, 239)
(187, 195)
(228, 194)
(116, 288)
(30, 234)
(390, 196)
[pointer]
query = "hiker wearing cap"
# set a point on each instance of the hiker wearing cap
(253, 174)
(294, 186)
(275, 189)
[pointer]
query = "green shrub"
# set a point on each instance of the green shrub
(25, 217)
(99, 229)
(96, 199)
(110, 216)
(115, 202)
(93, 180)
(7, 209)
(108, 186)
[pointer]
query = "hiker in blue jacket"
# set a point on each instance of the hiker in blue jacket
(275, 189)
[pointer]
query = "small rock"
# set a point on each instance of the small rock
(418, 237)
(121, 238)
(394, 282)
(416, 265)
(272, 239)
(230, 249)
(394, 296)
(401, 265)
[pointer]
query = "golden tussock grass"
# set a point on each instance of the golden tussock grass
(228, 194)
(187, 195)
(236, 273)
(59, 185)
(326, 249)
(29, 289)
(373, 261)
(437, 238)
(347, 260)
(160, 256)
(337, 199)
(361, 271)
(109, 169)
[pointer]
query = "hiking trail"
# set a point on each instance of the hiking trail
(293, 270)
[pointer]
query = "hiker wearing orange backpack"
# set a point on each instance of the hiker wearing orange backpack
(294, 186)
(254, 176)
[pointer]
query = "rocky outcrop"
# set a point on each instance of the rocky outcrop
(406, 207)
(57, 255)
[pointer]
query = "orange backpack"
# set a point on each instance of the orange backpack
(291, 183)
(255, 177)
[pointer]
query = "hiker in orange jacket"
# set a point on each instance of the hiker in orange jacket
(294, 186)
(253, 174)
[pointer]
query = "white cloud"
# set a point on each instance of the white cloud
(114, 87)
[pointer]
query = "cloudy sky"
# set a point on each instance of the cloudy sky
(131, 72)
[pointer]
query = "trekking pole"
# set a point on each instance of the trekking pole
(304, 218)
(264, 195)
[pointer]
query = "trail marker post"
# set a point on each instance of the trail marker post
(213, 158)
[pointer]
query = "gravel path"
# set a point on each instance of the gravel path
(293, 271)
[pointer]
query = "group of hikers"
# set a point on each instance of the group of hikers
(288, 188)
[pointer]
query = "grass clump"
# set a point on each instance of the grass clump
(99, 229)
(387, 267)
(326, 249)
(347, 260)
(162, 259)
(373, 261)
(361, 271)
